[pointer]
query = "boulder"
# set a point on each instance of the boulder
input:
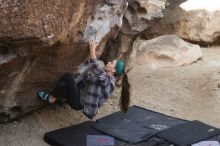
(30, 25)
(166, 51)
(142, 14)
(197, 25)
(41, 40)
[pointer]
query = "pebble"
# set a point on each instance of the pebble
(171, 110)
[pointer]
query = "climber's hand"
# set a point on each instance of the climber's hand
(92, 44)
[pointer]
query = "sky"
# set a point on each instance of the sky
(210, 5)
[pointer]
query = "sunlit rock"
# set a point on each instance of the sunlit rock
(166, 51)
(198, 23)
(142, 14)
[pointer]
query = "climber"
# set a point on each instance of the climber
(93, 88)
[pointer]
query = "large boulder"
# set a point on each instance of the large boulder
(166, 51)
(41, 40)
(29, 25)
(196, 25)
(142, 14)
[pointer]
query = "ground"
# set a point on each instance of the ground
(188, 92)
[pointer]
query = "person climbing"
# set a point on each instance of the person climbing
(89, 89)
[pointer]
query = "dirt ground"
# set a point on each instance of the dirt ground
(188, 92)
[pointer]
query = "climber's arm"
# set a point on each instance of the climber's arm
(92, 49)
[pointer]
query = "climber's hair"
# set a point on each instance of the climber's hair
(125, 93)
(115, 44)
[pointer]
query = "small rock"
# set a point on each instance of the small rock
(172, 110)
(148, 76)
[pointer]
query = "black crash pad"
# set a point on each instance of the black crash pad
(216, 138)
(125, 130)
(188, 133)
(136, 125)
(136, 120)
(144, 118)
(152, 119)
(76, 136)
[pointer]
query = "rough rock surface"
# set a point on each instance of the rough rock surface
(30, 25)
(103, 21)
(199, 26)
(60, 36)
(142, 14)
(41, 40)
(115, 2)
(166, 51)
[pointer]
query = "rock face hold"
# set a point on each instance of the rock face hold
(104, 20)
(142, 14)
(115, 2)
(166, 51)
